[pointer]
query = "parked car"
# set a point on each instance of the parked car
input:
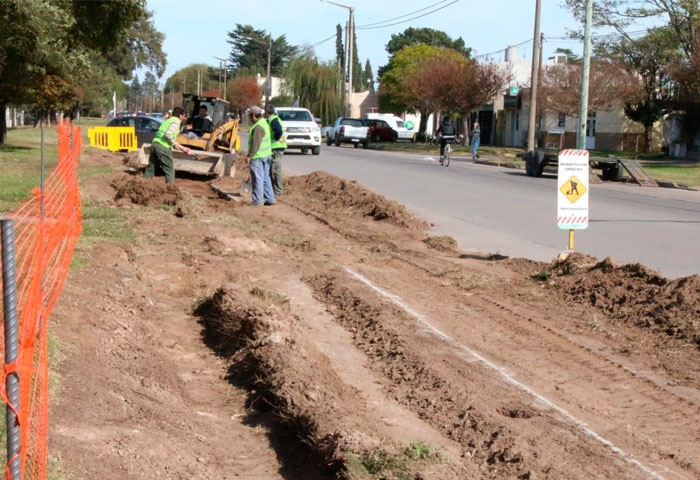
(145, 127)
(300, 129)
(381, 131)
(349, 130)
(394, 122)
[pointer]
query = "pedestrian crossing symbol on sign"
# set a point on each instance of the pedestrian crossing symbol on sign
(573, 189)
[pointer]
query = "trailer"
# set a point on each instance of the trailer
(612, 168)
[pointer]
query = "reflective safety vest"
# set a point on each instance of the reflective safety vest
(281, 143)
(265, 149)
(160, 134)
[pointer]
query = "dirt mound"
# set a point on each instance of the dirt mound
(287, 376)
(350, 198)
(145, 191)
(634, 294)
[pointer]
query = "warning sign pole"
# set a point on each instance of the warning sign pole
(572, 192)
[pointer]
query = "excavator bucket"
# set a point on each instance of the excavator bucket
(213, 164)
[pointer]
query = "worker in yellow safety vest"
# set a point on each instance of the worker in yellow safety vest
(259, 157)
(164, 142)
(279, 144)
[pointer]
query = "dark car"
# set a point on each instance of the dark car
(380, 131)
(145, 127)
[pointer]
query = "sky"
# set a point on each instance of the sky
(196, 30)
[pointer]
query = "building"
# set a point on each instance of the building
(604, 130)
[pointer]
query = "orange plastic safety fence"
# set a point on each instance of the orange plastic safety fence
(47, 227)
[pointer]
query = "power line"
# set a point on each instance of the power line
(402, 16)
(408, 20)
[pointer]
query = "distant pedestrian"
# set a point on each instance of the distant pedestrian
(279, 144)
(162, 147)
(258, 157)
(475, 140)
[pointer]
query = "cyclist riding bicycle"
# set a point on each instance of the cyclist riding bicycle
(447, 131)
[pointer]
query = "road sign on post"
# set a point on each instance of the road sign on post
(572, 192)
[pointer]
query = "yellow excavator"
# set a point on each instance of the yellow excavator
(213, 151)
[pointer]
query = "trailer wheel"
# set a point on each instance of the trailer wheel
(538, 163)
(528, 164)
(612, 172)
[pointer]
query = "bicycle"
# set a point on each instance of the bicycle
(447, 153)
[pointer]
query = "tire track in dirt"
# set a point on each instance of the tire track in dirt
(607, 382)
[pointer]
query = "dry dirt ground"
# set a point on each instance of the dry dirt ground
(330, 336)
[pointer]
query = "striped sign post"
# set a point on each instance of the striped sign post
(572, 192)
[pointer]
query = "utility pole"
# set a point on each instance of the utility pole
(351, 36)
(268, 90)
(222, 61)
(585, 75)
(349, 39)
(534, 78)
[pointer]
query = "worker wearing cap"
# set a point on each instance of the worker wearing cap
(279, 144)
(259, 154)
(162, 147)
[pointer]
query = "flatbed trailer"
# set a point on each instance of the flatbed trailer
(536, 160)
(612, 168)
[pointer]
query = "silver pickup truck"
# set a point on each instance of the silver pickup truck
(348, 130)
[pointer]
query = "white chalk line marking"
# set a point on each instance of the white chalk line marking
(396, 300)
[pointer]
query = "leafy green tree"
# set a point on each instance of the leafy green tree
(47, 45)
(339, 48)
(425, 36)
(135, 94)
(315, 84)
(397, 92)
(249, 50)
(368, 77)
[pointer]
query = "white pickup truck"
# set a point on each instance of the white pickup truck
(348, 130)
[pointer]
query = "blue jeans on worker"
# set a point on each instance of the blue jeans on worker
(260, 178)
(475, 147)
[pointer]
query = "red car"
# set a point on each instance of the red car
(380, 131)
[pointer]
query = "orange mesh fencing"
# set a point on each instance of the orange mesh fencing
(47, 227)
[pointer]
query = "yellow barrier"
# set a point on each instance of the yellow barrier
(114, 139)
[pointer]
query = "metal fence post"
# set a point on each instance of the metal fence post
(9, 284)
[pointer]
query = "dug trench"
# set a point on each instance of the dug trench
(331, 336)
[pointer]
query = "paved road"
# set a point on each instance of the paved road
(491, 209)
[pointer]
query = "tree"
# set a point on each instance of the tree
(425, 36)
(249, 51)
(315, 84)
(46, 47)
(681, 18)
(368, 77)
(243, 92)
(610, 85)
(397, 90)
(651, 58)
(452, 83)
(339, 49)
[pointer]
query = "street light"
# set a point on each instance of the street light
(349, 32)
(225, 75)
